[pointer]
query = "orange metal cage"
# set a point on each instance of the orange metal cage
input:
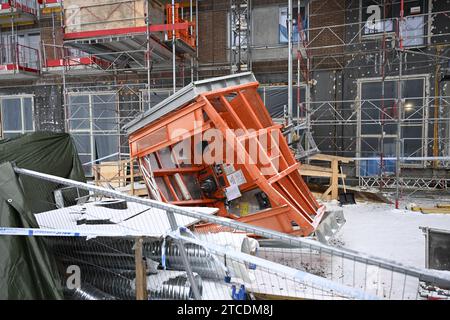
(271, 191)
(174, 17)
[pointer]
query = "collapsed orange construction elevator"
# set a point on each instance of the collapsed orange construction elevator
(214, 144)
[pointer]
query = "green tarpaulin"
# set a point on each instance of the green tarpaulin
(27, 270)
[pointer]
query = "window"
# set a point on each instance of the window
(378, 16)
(377, 123)
(16, 115)
(381, 16)
(94, 126)
(156, 96)
(283, 24)
(22, 48)
(275, 99)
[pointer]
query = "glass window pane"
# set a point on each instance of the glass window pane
(412, 148)
(82, 143)
(79, 112)
(283, 29)
(371, 148)
(413, 88)
(412, 132)
(28, 113)
(156, 97)
(413, 30)
(11, 115)
(104, 112)
(276, 101)
(106, 145)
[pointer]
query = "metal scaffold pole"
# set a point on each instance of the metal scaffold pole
(191, 17)
(308, 84)
(148, 58)
(299, 79)
(196, 41)
(240, 39)
(383, 96)
(65, 96)
(290, 67)
(399, 108)
(174, 55)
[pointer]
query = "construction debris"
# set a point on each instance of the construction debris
(224, 188)
(256, 181)
(439, 209)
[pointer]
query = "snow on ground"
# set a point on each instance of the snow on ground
(381, 230)
(375, 229)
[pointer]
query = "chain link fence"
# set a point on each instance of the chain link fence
(109, 245)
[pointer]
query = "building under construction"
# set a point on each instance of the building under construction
(63, 60)
(352, 95)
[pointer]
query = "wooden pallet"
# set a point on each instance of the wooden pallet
(331, 172)
(438, 209)
(120, 175)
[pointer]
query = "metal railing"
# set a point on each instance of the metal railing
(19, 55)
(29, 6)
(285, 265)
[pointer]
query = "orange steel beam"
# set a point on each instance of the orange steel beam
(237, 107)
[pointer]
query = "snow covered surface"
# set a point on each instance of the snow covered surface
(381, 230)
(136, 220)
(375, 229)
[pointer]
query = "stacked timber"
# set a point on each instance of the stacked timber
(97, 15)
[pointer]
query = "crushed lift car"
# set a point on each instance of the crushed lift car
(214, 144)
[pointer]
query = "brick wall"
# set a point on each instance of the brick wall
(325, 13)
(213, 35)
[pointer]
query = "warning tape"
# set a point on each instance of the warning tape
(33, 232)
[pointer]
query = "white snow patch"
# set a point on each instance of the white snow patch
(383, 231)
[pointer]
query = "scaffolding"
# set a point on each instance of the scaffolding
(112, 57)
(18, 59)
(240, 36)
(335, 67)
(403, 124)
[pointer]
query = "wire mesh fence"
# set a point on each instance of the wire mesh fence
(109, 245)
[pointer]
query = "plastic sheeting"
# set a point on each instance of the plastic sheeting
(27, 269)
(51, 153)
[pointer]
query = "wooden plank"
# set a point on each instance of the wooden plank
(110, 172)
(435, 210)
(266, 296)
(326, 193)
(315, 168)
(141, 277)
(132, 176)
(431, 210)
(312, 173)
(335, 179)
(82, 15)
(329, 158)
(139, 193)
(320, 174)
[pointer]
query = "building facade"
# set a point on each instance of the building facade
(370, 76)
